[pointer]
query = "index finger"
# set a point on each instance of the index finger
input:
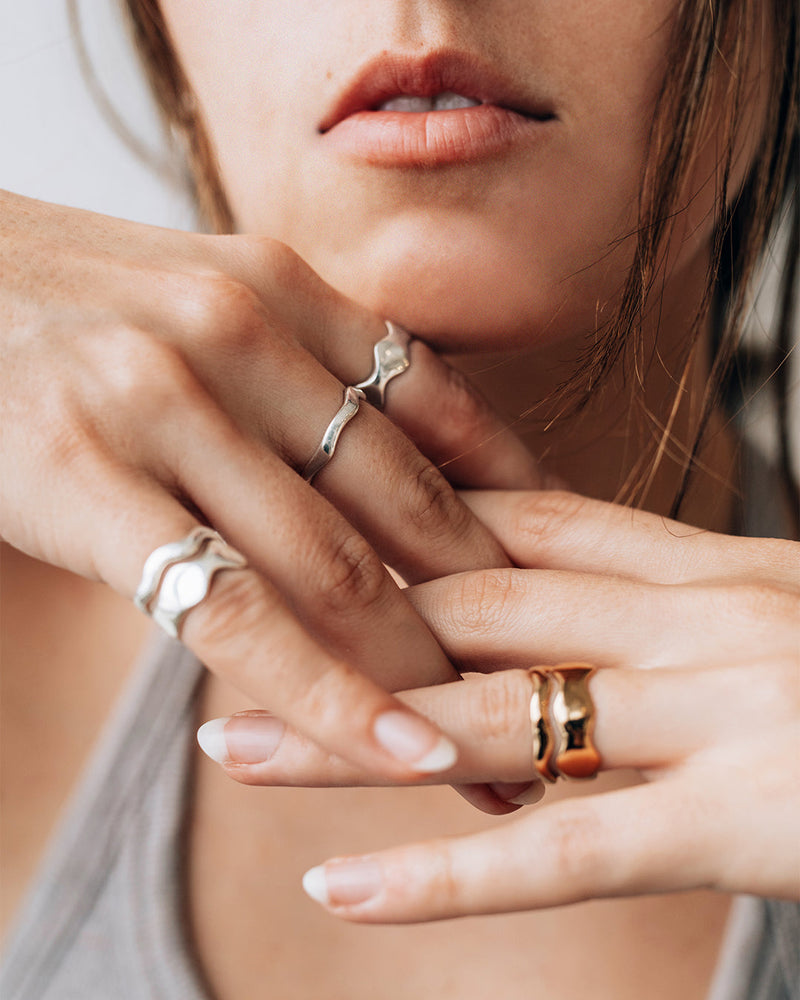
(451, 423)
(643, 721)
(243, 630)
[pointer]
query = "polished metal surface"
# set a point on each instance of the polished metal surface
(163, 557)
(573, 719)
(349, 408)
(390, 360)
(541, 731)
(185, 584)
(177, 576)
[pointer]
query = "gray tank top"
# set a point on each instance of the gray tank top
(105, 917)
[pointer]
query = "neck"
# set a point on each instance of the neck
(630, 441)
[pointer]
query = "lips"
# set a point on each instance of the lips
(444, 107)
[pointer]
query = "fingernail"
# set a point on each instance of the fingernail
(519, 794)
(412, 740)
(250, 738)
(343, 883)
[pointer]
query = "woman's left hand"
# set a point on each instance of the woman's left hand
(697, 637)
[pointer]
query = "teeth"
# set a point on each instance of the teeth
(447, 101)
(408, 104)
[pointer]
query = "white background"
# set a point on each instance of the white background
(55, 143)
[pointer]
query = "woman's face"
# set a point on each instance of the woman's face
(482, 226)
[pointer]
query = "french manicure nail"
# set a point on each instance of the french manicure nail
(343, 883)
(413, 741)
(242, 739)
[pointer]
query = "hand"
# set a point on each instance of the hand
(698, 639)
(150, 375)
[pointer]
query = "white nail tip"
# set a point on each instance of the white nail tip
(315, 884)
(443, 756)
(211, 738)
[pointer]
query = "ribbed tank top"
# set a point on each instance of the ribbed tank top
(104, 919)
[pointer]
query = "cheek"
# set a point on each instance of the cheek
(242, 62)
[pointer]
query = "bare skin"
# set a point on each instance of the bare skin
(244, 921)
(252, 925)
(256, 928)
(382, 240)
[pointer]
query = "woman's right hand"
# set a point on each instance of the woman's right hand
(152, 378)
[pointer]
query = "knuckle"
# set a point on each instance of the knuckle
(576, 837)
(484, 600)
(285, 267)
(772, 558)
(277, 269)
(542, 518)
(761, 604)
(62, 412)
(773, 695)
(461, 414)
(70, 447)
(230, 314)
(781, 555)
(499, 706)
(441, 890)
(431, 504)
(350, 576)
(143, 374)
(228, 618)
(328, 695)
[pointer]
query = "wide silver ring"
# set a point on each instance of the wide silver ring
(162, 558)
(349, 408)
(178, 576)
(390, 360)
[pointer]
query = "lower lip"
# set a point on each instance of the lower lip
(433, 138)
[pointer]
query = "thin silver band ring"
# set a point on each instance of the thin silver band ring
(390, 360)
(349, 408)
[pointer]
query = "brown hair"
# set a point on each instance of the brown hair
(711, 42)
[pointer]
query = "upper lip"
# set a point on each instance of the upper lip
(391, 74)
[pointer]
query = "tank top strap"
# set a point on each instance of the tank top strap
(105, 915)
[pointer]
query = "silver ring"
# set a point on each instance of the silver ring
(391, 359)
(178, 576)
(162, 558)
(349, 408)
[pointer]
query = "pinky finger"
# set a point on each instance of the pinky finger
(638, 840)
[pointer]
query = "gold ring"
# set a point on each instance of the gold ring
(541, 730)
(573, 715)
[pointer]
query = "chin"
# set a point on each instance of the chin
(469, 294)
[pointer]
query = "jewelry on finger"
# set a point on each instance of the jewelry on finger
(573, 717)
(390, 360)
(349, 408)
(162, 558)
(178, 576)
(541, 730)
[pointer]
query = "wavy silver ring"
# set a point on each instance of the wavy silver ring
(162, 558)
(349, 408)
(178, 576)
(390, 360)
